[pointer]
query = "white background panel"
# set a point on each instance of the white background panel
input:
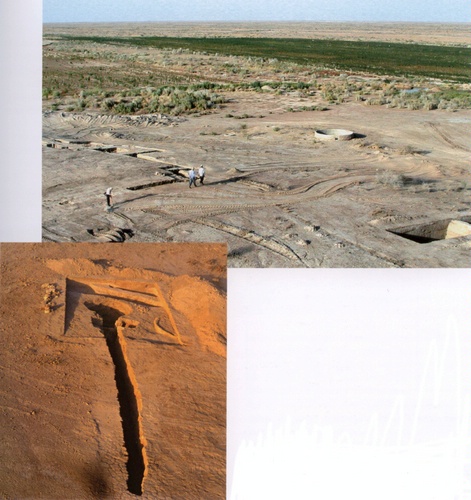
(20, 120)
(349, 384)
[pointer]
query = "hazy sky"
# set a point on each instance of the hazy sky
(256, 10)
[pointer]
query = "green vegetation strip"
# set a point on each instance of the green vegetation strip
(450, 63)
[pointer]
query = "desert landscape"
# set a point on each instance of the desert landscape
(113, 370)
(307, 165)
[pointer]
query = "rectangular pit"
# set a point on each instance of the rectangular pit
(435, 231)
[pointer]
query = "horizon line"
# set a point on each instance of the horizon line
(258, 21)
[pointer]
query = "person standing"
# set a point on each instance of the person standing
(109, 196)
(201, 173)
(192, 177)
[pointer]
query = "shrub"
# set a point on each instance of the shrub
(80, 105)
(126, 108)
(108, 104)
(392, 179)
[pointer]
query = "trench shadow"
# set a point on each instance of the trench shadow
(101, 262)
(152, 341)
(219, 283)
(239, 251)
(125, 202)
(422, 152)
(73, 291)
(224, 181)
(128, 395)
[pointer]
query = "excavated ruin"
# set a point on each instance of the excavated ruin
(435, 231)
(113, 370)
(129, 396)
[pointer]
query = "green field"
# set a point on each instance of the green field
(447, 63)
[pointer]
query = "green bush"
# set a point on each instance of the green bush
(108, 104)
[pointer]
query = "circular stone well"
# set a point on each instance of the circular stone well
(334, 134)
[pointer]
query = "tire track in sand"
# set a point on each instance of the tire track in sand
(446, 138)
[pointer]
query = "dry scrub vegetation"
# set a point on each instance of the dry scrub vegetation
(81, 75)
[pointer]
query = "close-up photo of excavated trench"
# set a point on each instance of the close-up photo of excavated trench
(119, 355)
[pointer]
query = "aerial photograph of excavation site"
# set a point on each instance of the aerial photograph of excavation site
(322, 144)
(113, 370)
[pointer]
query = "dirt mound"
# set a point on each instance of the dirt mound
(196, 303)
(96, 119)
(234, 170)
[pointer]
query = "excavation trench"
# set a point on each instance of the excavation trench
(152, 184)
(129, 397)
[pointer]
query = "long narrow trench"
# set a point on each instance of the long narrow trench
(129, 397)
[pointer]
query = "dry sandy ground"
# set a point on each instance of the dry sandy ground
(275, 194)
(142, 411)
(278, 196)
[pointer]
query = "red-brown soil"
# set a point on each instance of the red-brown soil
(159, 378)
